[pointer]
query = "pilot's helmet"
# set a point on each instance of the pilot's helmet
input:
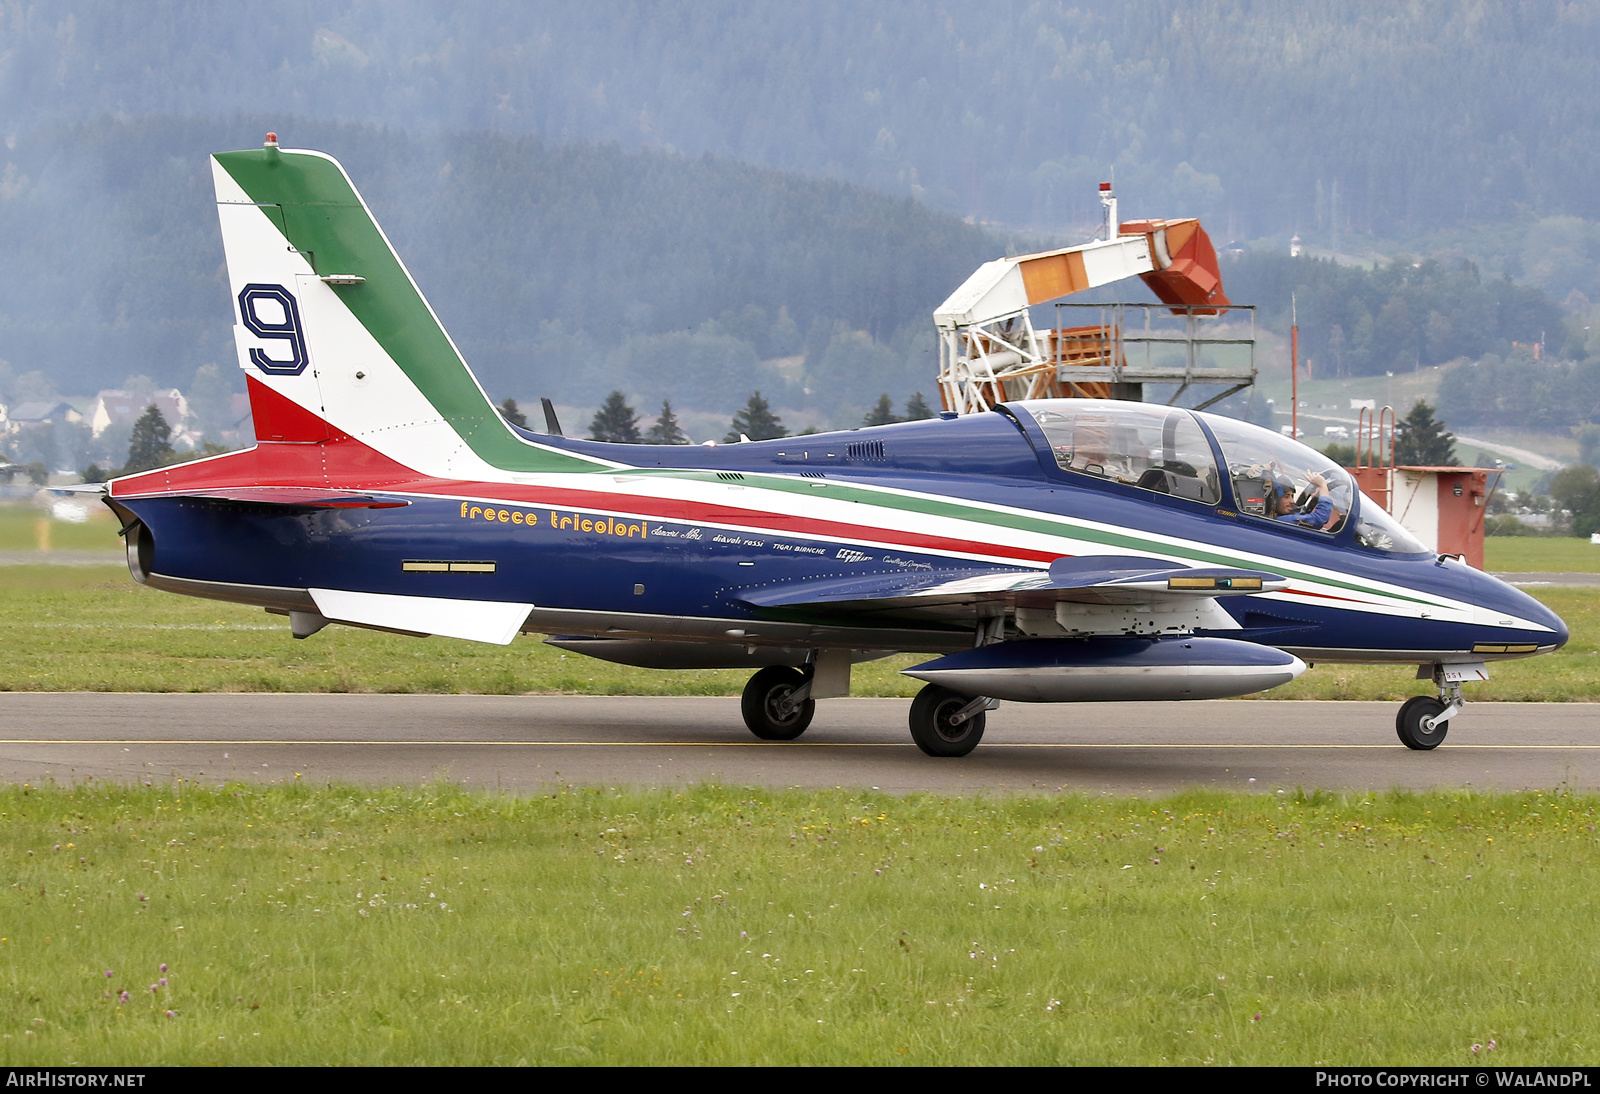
(1283, 487)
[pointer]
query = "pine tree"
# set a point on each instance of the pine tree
(211, 400)
(755, 421)
(666, 429)
(150, 445)
(615, 421)
(509, 411)
(1422, 441)
(917, 409)
(882, 413)
(1258, 409)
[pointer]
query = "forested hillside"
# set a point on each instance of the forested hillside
(560, 269)
(1364, 116)
(689, 200)
(1545, 395)
(1517, 358)
(1400, 316)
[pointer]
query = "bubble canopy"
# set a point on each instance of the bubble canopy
(1167, 450)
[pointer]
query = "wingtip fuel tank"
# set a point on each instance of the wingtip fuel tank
(1109, 670)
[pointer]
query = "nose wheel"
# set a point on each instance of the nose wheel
(1423, 720)
(1418, 723)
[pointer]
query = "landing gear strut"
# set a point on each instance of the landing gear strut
(777, 703)
(1419, 725)
(1423, 720)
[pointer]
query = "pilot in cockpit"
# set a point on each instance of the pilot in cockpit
(1318, 516)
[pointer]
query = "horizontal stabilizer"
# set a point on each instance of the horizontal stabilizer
(475, 620)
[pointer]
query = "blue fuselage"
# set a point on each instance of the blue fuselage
(565, 547)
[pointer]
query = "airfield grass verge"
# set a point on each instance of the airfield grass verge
(1540, 554)
(723, 925)
(90, 628)
(1571, 674)
(30, 528)
(20, 530)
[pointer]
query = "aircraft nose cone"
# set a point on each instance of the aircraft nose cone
(1554, 621)
(1497, 595)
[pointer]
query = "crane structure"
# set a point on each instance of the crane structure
(990, 352)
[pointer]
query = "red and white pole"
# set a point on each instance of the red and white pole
(1294, 371)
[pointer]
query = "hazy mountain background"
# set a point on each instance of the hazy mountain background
(692, 200)
(562, 270)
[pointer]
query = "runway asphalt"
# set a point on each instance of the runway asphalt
(524, 744)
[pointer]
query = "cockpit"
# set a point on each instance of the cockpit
(1168, 450)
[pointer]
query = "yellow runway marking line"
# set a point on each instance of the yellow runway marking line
(760, 744)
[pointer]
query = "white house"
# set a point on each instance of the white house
(113, 405)
(40, 413)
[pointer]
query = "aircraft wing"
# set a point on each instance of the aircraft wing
(1091, 579)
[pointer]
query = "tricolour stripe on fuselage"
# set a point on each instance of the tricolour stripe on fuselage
(985, 534)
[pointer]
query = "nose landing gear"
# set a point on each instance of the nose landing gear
(1423, 721)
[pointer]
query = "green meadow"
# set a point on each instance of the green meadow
(293, 925)
(30, 528)
(318, 925)
(23, 528)
(91, 628)
(1536, 554)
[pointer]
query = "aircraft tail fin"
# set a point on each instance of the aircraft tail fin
(334, 335)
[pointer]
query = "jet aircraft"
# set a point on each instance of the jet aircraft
(1043, 551)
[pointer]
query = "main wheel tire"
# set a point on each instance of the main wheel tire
(930, 723)
(1409, 723)
(764, 693)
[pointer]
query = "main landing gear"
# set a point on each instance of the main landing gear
(777, 703)
(1423, 720)
(777, 706)
(946, 723)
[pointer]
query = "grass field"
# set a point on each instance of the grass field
(20, 530)
(306, 926)
(1540, 554)
(91, 628)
